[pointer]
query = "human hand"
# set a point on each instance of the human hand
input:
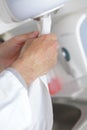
(10, 50)
(37, 57)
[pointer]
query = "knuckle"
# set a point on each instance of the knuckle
(54, 43)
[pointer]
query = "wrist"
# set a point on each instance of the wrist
(26, 73)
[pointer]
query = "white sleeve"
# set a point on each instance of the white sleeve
(15, 112)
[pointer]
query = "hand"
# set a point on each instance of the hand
(37, 57)
(10, 50)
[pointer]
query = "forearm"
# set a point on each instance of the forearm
(10, 85)
(14, 102)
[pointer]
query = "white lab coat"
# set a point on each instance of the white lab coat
(22, 109)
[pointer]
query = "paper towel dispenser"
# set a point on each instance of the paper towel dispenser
(17, 10)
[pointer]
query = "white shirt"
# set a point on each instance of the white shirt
(22, 109)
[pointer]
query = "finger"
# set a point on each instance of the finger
(27, 36)
(18, 40)
(49, 37)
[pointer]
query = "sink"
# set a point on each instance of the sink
(70, 106)
(65, 116)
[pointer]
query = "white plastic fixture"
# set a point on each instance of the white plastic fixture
(71, 31)
(17, 10)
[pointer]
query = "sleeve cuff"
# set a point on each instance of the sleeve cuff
(19, 77)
